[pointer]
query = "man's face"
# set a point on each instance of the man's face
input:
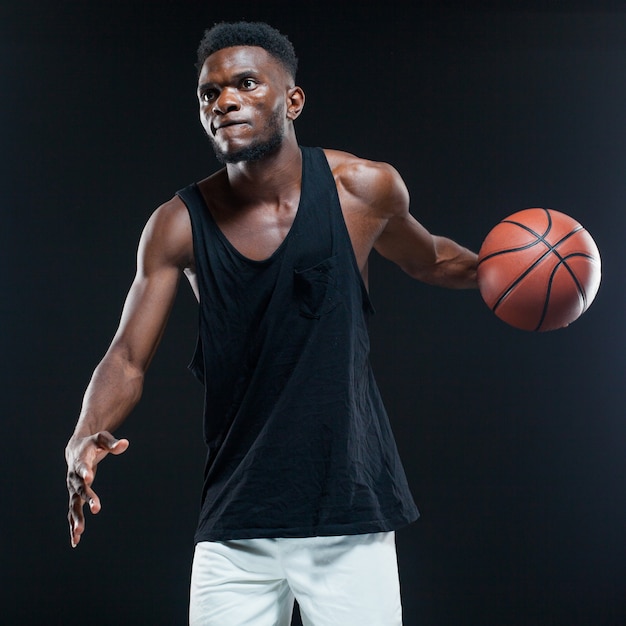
(242, 92)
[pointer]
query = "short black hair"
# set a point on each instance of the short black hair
(227, 34)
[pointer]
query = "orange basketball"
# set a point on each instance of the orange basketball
(538, 270)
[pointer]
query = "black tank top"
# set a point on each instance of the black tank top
(299, 443)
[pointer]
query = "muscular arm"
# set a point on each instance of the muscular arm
(164, 251)
(376, 204)
(430, 258)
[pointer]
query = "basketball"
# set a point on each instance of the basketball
(538, 270)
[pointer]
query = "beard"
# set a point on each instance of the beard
(258, 149)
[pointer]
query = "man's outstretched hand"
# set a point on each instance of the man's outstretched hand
(83, 455)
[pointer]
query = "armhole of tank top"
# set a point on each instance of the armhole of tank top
(187, 196)
(367, 302)
(196, 364)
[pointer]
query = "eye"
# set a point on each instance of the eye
(208, 95)
(248, 83)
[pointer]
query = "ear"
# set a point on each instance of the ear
(295, 102)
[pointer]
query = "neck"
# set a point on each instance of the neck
(268, 178)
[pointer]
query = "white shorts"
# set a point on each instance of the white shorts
(338, 581)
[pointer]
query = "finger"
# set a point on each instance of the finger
(76, 519)
(81, 477)
(81, 493)
(94, 503)
(76, 515)
(76, 530)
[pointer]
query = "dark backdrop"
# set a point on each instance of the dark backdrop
(513, 442)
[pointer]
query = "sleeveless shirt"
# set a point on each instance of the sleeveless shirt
(299, 443)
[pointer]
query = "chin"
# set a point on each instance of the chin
(253, 152)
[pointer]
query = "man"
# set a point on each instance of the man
(303, 486)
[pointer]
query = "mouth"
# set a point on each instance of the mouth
(215, 129)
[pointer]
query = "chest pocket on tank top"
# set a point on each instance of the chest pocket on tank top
(317, 288)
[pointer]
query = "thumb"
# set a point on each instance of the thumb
(108, 443)
(119, 446)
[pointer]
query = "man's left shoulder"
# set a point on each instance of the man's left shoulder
(367, 179)
(348, 164)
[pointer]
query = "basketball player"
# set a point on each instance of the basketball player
(303, 485)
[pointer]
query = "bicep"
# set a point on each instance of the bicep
(164, 251)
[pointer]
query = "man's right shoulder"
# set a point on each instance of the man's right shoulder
(171, 219)
(168, 231)
(171, 209)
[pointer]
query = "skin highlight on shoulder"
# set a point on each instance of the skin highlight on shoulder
(370, 194)
(168, 234)
(375, 185)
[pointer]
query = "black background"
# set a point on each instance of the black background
(514, 442)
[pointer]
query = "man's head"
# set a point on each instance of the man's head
(226, 35)
(246, 90)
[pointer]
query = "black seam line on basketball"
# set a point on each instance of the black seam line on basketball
(551, 249)
(524, 247)
(581, 291)
(538, 239)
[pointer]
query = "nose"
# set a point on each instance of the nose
(226, 102)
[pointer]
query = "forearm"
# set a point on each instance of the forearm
(114, 390)
(454, 266)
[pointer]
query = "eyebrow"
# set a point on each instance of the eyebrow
(236, 78)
